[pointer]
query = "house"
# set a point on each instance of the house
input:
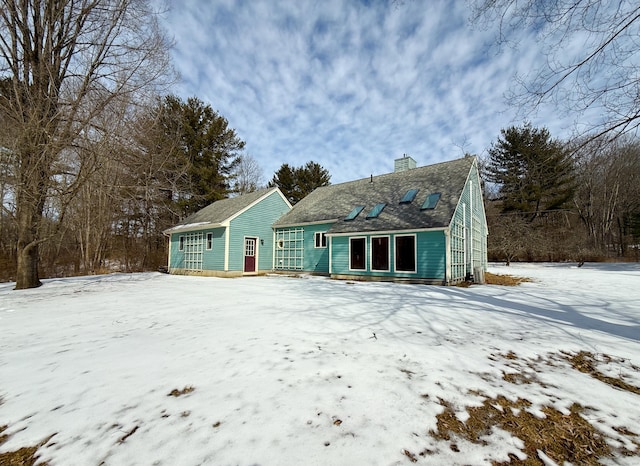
(424, 224)
(231, 237)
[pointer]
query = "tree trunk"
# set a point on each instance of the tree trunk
(27, 273)
(27, 248)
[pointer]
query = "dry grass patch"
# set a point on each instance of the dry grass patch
(504, 280)
(525, 371)
(175, 392)
(25, 456)
(562, 437)
(586, 362)
(22, 457)
(3, 437)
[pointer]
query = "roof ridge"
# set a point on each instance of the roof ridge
(433, 165)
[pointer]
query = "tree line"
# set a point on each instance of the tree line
(578, 199)
(161, 162)
(94, 161)
(552, 200)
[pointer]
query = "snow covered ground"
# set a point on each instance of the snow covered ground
(291, 371)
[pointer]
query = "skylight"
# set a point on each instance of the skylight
(409, 196)
(354, 213)
(376, 210)
(431, 201)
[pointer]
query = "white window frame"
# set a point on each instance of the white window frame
(193, 247)
(209, 241)
(415, 254)
(364, 238)
(289, 250)
(323, 240)
(388, 269)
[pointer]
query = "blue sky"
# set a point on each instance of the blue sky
(351, 84)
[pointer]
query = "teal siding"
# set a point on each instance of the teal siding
(214, 259)
(430, 256)
(298, 251)
(256, 222)
(211, 259)
(176, 257)
(315, 259)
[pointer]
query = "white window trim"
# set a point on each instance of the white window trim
(322, 235)
(256, 253)
(193, 249)
(209, 241)
(365, 254)
(388, 269)
(415, 254)
(289, 249)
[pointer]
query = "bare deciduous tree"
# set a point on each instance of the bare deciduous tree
(608, 195)
(591, 61)
(249, 176)
(66, 62)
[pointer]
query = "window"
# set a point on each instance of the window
(377, 209)
(209, 241)
(289, 252)
(181, 244)
(250, 247)
(406, 253)
(193, 244)
(357, 247)
(431, 201)
(354, 213)
(409, 196)
(380, 253)
(320, 239)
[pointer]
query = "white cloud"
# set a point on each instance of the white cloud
(348, 85)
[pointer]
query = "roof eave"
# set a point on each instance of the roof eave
(302, 224)
(387, 232)
(193, 227)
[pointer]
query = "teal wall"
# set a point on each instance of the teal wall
(214, 259)
(313, 259)
(211, 259)
(256, 222)
(430, 256)
(176, 258)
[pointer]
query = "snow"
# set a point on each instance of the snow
(306, 370)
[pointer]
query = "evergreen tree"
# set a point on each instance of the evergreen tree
(534, 172)
(284, 179)
(206, 146)
(310, 177)
(296, 183)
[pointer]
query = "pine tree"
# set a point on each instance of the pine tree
(310, 177)
(206, 146)
(296, 183)
(534, 172)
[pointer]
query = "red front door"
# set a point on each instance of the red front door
(249, 255)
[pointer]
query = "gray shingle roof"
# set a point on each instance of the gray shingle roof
(334, 202)
(222, 210)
